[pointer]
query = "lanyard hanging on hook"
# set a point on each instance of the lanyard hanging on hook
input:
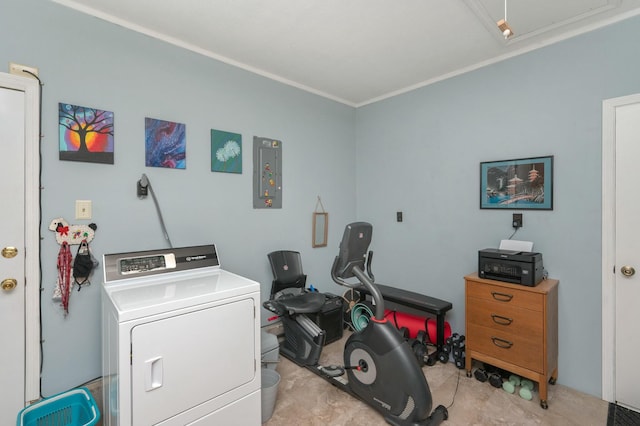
(63, 285)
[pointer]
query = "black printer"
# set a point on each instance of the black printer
(511, 266)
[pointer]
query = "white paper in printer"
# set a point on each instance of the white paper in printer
(516, 245)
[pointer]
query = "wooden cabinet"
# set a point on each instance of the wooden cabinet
(513, 327)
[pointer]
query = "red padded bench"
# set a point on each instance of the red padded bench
(419, 302)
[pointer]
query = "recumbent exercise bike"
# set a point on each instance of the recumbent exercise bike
(381, 368)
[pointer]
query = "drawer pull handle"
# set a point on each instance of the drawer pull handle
(502, 297)
(501, 320)
(501, 343)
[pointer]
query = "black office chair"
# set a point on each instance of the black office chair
(290, 300)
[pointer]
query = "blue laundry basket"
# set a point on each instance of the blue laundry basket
(71, 408)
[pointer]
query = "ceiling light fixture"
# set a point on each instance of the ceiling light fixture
(503, 25)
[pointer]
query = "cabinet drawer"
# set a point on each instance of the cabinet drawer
(521, 350)
(506, 295)
(504, 317)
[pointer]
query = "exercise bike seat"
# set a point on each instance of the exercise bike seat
(300, 303)
(288, 294)
(291, 302)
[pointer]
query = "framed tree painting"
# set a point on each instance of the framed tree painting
(85, 134)
(525, 183)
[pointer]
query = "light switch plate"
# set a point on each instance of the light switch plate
(83, 209)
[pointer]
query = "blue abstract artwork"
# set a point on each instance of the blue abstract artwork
(165, 144)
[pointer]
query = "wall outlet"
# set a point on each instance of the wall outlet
(517, 220)
(17, 69)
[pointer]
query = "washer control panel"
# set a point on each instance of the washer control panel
(136, 265)
(122, 266)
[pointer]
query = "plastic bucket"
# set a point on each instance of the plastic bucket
(270, 381)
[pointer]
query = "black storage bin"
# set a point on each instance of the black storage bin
(330, 318)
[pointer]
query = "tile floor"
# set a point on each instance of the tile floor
(306, 399)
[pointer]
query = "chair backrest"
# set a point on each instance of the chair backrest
(286, 266)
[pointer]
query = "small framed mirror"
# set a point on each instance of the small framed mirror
(320, 229)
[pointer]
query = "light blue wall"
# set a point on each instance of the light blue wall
(88, 62)
(420, 152)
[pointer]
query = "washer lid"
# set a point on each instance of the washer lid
(161, 293)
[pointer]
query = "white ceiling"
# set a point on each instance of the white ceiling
(358, 51)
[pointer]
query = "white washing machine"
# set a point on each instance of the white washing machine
(181, 340)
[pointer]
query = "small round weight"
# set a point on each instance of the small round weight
(527, 384)
(525, 394)
(508, 387)
(514, 379)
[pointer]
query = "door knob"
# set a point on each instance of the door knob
(627, 271)
(9, 284)
(9, 252)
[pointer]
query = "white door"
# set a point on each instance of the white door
(627, 253)
(12, 294)
(19, 337)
